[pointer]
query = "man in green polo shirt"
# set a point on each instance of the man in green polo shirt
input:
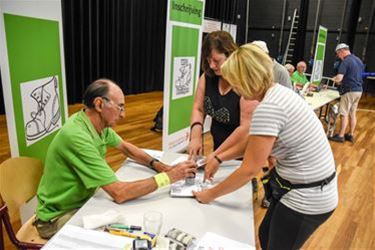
(298, 77)
(75, 166)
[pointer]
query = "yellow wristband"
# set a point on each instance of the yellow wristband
(162, 180)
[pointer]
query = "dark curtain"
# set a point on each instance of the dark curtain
(122, 40)
(299, 49)
(223, 10)
(353, 22)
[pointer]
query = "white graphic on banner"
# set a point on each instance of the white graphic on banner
(41, 108)
(183, 76)
(317, 71)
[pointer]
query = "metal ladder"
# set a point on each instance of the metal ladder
(288, 55)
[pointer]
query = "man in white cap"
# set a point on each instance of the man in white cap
(349, 79)
(280, 74)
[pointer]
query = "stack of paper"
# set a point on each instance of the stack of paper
(74, 237)
(211, 241)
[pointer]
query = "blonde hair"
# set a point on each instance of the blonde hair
(249, 70)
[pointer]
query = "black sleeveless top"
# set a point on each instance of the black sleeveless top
(224, 110)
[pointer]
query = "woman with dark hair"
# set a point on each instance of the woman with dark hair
(215, 97)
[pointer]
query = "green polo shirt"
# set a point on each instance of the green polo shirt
(74, 167)
(299, 78)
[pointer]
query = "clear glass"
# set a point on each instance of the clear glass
(152, 222)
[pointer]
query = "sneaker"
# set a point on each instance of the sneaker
(349, 137)
(337, 138)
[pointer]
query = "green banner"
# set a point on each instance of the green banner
(317, 72)
(187, 11)
(183, 72)
(322, 36)
(181, 69)
(36, 81)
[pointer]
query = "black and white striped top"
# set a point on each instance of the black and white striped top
(302, 150)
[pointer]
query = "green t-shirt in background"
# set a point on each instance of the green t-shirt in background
(74, 167)
(299, 78)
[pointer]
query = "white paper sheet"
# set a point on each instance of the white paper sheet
(211, 241)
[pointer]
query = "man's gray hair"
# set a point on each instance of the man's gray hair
(98, 88)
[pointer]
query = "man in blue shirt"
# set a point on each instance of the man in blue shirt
(349, 79)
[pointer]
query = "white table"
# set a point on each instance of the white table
(230, 216)
(321, 98)
(318, 101)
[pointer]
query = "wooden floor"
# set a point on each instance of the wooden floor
(352, 226)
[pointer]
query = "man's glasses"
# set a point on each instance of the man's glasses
(120, 108)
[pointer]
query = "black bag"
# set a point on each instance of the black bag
(276, 187)
(158, 121)
(279, 186)
(266, 186)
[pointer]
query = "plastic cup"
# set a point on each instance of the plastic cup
(152, 222)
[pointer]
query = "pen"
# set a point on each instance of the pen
(130, 235)
(121, 226)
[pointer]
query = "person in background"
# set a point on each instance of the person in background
(75, 166)
(349, 79)
(299, 78)
(230, 112)
(305, 185)
(290, 68)
(280, 74)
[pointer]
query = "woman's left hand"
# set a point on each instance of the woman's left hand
(204, 196)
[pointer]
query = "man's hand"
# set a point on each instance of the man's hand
(298, 85)
(211, 167)
(312, 87)
(182, 170)
(195, 148)
(204, 196)
(338, 78)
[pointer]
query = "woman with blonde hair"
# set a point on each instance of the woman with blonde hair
(303, 182)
